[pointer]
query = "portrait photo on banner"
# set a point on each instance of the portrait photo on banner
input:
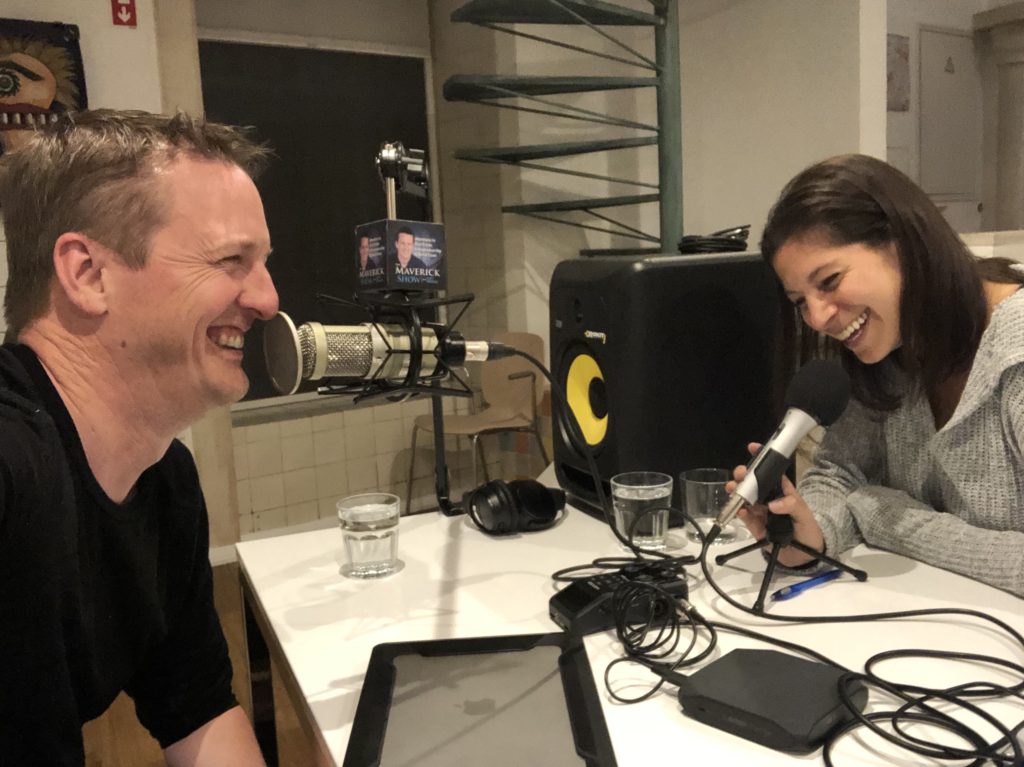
(41, 76)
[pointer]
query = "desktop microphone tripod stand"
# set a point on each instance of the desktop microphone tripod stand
(778, 535)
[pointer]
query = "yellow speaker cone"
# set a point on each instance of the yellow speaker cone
(582, 372)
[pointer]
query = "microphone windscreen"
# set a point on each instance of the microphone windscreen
(282, 353)
(821, 389)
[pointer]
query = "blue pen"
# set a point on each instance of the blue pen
(788, 592)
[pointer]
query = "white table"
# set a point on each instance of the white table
(458, 582)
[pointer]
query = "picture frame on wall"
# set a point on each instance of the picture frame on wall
(897, 73)
(41, 76)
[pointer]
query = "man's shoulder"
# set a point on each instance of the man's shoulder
(32, 456)
(14, 379)
(23, 418)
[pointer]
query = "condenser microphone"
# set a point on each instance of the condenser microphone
(368, 351)
(816, 396)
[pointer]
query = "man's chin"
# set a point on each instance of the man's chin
(239, 393)
(229, 394)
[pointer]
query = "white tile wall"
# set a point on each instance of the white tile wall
(265, 457)
(329, 446)
(297, 452)
(267, 492)
(331, 480)
(293, 472)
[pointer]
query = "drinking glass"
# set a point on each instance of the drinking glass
(369, 527)
(641, 500)
(704, 495)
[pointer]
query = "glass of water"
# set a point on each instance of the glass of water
(641, 500)
(369, 527)
(704, 494)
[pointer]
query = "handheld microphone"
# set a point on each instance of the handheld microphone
(368, 351)
(817, 395)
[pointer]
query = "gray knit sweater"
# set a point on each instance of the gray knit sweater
(954, 497)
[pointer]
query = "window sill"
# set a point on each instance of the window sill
(273, 409)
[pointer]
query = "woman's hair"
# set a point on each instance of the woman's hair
(856, 199)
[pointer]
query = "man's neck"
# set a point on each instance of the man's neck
(121, 433)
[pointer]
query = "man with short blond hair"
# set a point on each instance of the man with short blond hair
(137, 250)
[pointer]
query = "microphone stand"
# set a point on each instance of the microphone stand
(441, 487)
(404, 170)
(405, 308)
(778, 535)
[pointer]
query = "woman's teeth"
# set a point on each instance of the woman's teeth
(852, 328)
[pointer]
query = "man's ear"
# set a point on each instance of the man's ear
(80, 265)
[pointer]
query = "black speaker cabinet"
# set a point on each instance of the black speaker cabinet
(667, 363)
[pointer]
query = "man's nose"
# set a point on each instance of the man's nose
(259, 293)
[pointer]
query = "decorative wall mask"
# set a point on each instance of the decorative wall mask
(41, 76)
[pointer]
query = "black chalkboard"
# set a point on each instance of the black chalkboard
(325, 114)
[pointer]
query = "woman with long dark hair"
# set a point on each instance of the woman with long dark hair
(928, 459)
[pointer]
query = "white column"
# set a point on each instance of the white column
(1005, 27)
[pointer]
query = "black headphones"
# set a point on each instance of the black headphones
(520, 506)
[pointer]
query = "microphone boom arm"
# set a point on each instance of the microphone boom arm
(375, 306)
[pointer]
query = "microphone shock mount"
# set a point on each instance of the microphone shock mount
(426, 371)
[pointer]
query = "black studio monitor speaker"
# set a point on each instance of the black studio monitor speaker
(667, 363)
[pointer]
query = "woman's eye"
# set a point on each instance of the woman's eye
(830, 282)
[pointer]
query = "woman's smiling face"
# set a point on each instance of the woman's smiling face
(849, 292)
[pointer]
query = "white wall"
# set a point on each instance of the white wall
(1001, 87)
(906, 17)
(532, 247)
(997, 244)
(872, 77)
(402, 23)
(768, 88)
(121, 67)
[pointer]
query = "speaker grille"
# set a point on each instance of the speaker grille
(349, 354)
(307, 346)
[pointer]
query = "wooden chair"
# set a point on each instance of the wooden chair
(511, 390)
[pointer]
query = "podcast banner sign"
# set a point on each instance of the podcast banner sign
(392, 254)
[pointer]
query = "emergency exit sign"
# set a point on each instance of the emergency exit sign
(124, 12)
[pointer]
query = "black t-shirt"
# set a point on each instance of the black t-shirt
(96, 597)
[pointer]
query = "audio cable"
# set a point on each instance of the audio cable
(723, 241)
(570, 427)
(649, 621)
(648, 617)
(916, 701)
(653, 636)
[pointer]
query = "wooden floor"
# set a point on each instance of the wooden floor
(116, 739)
